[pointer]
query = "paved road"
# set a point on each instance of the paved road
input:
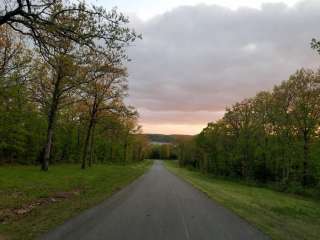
(158, 206)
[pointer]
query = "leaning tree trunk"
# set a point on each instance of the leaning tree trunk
(88, 136)
(86, 145)
(51, 120)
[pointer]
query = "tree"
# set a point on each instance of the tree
(14, 58)
(51, 87)
(241, 122)
(305, 110)
(315, 44)
(66, 61)
(262, 130)
(272, 137)
(103, 93)
(41, 18)
(129, 118)
(14, 69)
(79, 52)
(141, 146)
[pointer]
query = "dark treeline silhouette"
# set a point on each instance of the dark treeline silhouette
(270, 138)
(163, 151)
(165, 147)
(62, 85)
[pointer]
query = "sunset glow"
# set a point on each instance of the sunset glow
(188, 67)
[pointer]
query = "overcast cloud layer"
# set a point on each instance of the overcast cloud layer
(194, 61)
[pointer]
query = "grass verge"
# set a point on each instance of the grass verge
(279, 215)
(32, 202)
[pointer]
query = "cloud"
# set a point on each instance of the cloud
(199, 59)
(147, 9)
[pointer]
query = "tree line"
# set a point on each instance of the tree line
(63, 82)
(270, 138)
(165, 147)
(164, 151)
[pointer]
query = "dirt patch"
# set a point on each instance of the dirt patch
(14, 213)
(2, 237)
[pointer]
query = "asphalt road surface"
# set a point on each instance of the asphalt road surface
(157, 206)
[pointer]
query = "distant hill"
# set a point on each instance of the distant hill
(162, 138)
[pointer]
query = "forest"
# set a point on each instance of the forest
(63, 81)
(271, 138)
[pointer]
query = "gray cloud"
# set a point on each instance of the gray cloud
(203, 58)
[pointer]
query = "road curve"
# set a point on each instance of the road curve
(158, 206)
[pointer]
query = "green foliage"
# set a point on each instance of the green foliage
(162, 151)
(63, 100)
(271, 138)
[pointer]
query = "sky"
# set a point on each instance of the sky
(199, 56)
(146, 9)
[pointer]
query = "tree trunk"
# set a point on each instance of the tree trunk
(51, 121)
(110, 150)
(78, 145)
(91, 145)
(204, 165)
(305, 158)
(125, 149)
(86, 144)
(47, 148)
(88, 136)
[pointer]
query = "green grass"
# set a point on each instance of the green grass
(279, 215)
(20, 186)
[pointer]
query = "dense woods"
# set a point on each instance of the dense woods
(270, 138)
(165, 146)
(163, 151)
(63, 82)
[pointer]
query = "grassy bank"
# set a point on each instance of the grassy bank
(32, 202)
(280, 215)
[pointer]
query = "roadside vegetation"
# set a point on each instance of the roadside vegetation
(32, 202)
(164, 146)
(63, 81)
(271, 138)
(280, 215)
